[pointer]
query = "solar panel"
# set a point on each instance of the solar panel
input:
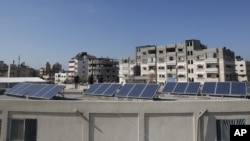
(169, 87)
(52, 92)
(137, 90)
(43, 90)
(223, 88)
(238, 88)
(26, 89)
(36, 89)
(150, 91)
(180, 87)
(101, 89)
(93, 88)
(248, 87)
(208, 88)
(124, 91)
(111, 90)
(193, 88)
(15, 89)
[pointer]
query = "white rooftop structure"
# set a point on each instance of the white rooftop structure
(21, 79)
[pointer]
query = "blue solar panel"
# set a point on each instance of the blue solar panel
(180, 87)
(16, 88)
(35, 90)
(101, 89)
(208, 88)
(137, 90)
(112, 89)
(52, 92)
(124, 91)
(223, 88)
(248, 88)
(93, 88)
(193, 88)
(26, 89)
(150, 91)
(42, 91)
(169, 87)
(238, 88)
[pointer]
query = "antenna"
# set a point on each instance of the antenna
(18, 60)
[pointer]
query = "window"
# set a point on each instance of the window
(210, 55)
(23, 130)
(151, 60)
(171, 58)
(180, 50)
(161, 60)
(151, 51)
(160, 51)
(223, 128)
(161, 68)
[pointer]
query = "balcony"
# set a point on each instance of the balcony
(212, 79)
(212, 70)
(171, 62)
(171, 53)
(211, 60)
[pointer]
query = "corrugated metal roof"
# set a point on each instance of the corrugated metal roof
(20, 79)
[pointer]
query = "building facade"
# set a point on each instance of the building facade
(186, 62)
(184, 120)
(78, 66)
(3, 69)
(242, 69)
(61, 78)
(103, 69)
(21, 70)
(126, 68)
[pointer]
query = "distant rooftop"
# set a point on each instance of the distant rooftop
(21, 79)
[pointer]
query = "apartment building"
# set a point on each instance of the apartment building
(78, 66)
(3, 68)
(103, 69)
(242, 69)
(186, 62)
(126, 70)
(21, 70)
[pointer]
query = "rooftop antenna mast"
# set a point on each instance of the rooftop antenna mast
(19, 60)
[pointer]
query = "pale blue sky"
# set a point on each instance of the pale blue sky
(53, 31)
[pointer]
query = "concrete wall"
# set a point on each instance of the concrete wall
(123, 120)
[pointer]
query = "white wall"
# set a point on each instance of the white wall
(122, 120)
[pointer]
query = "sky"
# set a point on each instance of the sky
(41, 31)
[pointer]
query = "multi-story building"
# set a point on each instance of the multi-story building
(78, 66)
(103, 69)
(21, 70)
(126, 68)
(3, 68)
(61, 77)
(188, 61)
(242, 69)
